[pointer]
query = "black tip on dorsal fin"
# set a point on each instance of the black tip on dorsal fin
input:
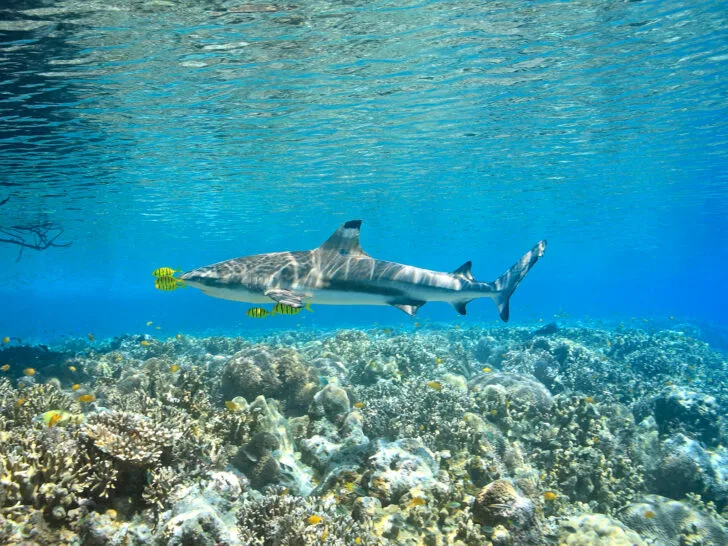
(464, 271)
(345, 240)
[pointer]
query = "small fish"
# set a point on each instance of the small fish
(314, 519)
(257, 312)
(323, 535)
(167, 284)
(164, 272)
(357, 540)
(359, 405)
(494, 412)
(5, 367)
(649, 514)
(232, 406)
(549, 496)
(588, 400)
(86, 398)
(157, 327)
(672, 317)
(91, 337)
(416, 501)
(75, 386)
(179, 336)
(283, 309)
(6, 339)
(30, 372)
(149, 323)
(174, 368)
(20, 402)
(144, 343)
(350, 486)
(72, 368)
(435, 385)
(438, 360)
(487, 370)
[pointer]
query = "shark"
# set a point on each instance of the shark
(339, 272)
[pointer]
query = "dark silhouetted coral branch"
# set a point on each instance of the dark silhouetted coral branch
(38, 237)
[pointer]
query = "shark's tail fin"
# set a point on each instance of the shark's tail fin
(506, 284)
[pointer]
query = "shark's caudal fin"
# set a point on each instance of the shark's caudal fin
(507, 283)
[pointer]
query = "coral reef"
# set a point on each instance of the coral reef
(426, 434)
(597, 530)
(674, 523)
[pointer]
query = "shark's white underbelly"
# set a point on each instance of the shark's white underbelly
(330, 297)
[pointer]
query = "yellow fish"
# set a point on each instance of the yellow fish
(91, 338)
(416, 501)
(86, 398)
(167, 284)
(144, 343)
(149, 323)
(174, 368)
(54, 418)
(30, 372)
(232, 406)
(359, 405)
(165, 272)
(435, 385)
(487, 370)
(283, 309)
(20, 402)
(179, 336)
(75, 386)
(6, 339)
(549, 496)
(314, 519)
(72, 368)
(257, 312)
(5, 367)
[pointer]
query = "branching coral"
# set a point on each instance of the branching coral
(414, 409)
(129, 437)
(49, 469)
(278, 518)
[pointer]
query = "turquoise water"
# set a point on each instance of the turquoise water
(184, 133)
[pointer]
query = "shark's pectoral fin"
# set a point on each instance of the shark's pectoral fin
(409, 306)
(286, 297)
(460, 306)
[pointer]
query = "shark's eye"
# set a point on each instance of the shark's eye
(343, 252)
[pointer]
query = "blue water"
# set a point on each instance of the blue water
(185, 133)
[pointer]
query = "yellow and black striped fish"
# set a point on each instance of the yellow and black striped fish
(283, 309)
(167, 284)
(164, 272)
(257, 312)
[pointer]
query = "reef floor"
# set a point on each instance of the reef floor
(434, 435)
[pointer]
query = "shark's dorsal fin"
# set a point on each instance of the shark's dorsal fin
(464, 271)
(345, 240)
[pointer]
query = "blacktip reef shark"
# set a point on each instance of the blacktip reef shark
(339, 272)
